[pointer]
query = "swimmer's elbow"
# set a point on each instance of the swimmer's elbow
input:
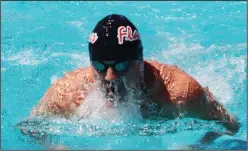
(214, 110)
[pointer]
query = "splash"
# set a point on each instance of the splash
(95, 108)
(36, 56)
(217, 71)
(77, 59)
(26, 57)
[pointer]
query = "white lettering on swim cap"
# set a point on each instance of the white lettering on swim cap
(93, 38)
(127, 33)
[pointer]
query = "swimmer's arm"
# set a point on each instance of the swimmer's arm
(216, 111)
(61, 99)
(211, 109)
(203, 105)
(206, 107)
(200, 103)
(53, 103)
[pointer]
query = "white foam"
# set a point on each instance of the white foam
(94, 108)
(77, 23)
(33, 57)
(214, 73)
(27, 57)
(77, 59)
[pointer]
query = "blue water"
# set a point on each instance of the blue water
(43, 40)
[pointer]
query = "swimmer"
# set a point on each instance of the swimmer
(117, 66)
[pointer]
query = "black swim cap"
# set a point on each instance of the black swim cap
(115, 38)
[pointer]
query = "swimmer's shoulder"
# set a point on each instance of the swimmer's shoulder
(159, 65)
(79, 76)
(159, 69)
(73, 81)
(85, 74)
(180, 85)
(66, 93)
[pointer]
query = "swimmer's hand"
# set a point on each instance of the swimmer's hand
(207, 139)
(232, 129)
(232, 126)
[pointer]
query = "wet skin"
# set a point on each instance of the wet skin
(169, 87)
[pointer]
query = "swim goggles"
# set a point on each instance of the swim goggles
(119, 66)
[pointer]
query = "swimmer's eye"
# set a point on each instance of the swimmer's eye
(122, 66)
(119, 66)
(98, 66)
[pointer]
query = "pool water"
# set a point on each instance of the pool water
(41, 41)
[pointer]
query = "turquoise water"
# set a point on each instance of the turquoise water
(43, 40)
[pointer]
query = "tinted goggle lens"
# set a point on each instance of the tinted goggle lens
(118, 66)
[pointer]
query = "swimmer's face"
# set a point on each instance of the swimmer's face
(116, 76)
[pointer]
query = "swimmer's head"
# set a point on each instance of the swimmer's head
(115, 38)
(116, 52)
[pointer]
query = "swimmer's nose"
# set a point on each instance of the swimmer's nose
(110, 75)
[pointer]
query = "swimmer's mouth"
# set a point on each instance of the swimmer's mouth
(114, 91)
(114, 96)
